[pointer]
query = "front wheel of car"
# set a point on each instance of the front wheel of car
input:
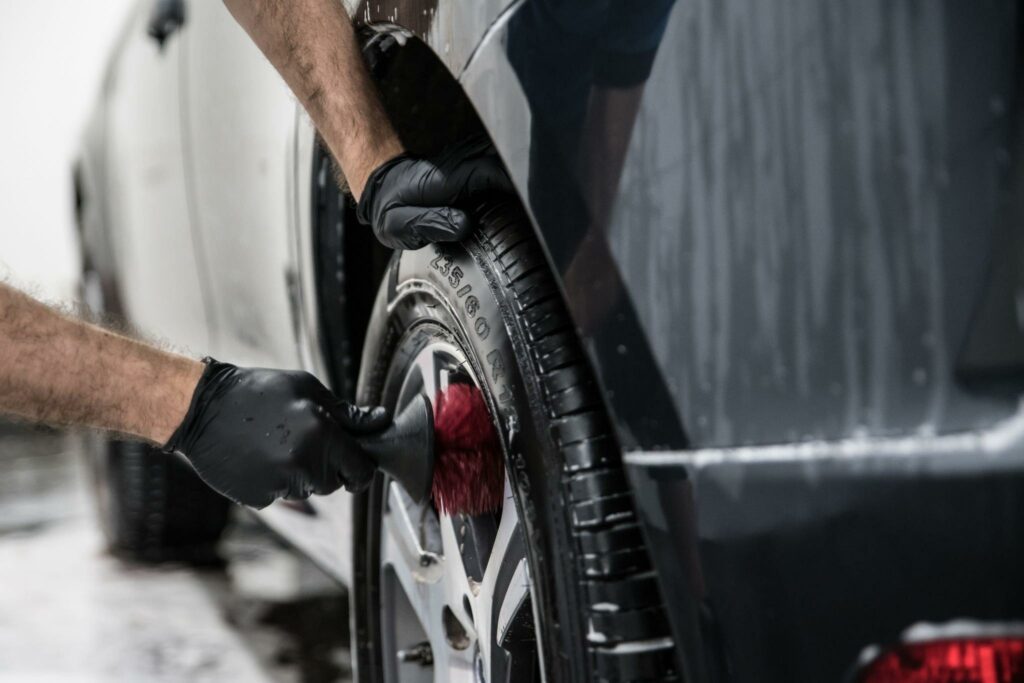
(558, 580)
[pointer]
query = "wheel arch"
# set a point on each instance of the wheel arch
(432, 102)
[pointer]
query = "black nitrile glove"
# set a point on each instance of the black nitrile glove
(412, 202)
(256, 435)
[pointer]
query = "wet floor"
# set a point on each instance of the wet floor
(71, 612)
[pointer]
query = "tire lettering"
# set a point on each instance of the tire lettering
(444, 264)
(497, 365)
(456, 277)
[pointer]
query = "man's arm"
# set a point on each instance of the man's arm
(409, 202)
(313, 46)
(57, 370)
(251, 433)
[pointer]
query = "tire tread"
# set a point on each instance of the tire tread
(160, 511)
(613, 563)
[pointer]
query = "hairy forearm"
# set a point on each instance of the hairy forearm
(61, 371)
(313, 46)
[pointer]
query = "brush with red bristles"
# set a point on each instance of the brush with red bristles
(451, 452)
(469, 473)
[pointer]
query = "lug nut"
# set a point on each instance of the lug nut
(418, 654)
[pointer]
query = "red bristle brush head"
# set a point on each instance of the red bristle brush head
(469, 471)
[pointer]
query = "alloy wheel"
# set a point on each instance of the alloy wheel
(454, 590)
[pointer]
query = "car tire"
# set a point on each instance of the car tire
(343, 261)
(153, 507)
(595, 600)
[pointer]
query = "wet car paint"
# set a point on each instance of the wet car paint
(805, 252)
(783, 258)
(785, 563)
(471, 40)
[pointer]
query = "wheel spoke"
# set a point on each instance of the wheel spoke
(432, 371)
(507, 529)
(504, 591)
(418, 571)
(514, 601)
(458, 588)
(454, 666)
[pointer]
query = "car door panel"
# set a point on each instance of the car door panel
(240, 122)
(158, 276)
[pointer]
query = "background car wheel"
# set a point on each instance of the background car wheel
(346, 258)
(152, 506)
(560, 578)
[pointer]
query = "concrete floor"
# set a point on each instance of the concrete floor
(69, 612)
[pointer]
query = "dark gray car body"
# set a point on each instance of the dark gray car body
(800, 296)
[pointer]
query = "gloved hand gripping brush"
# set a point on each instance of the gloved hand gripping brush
(256, 435)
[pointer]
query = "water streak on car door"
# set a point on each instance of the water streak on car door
(239, 120)
(158, 278)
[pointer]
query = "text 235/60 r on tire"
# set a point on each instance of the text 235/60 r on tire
(593, 598)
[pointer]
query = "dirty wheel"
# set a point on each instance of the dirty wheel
(558, 580)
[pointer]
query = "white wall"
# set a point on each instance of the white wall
(51, 57)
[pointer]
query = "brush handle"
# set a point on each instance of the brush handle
(405, 450)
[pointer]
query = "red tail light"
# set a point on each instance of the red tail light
(981, 660)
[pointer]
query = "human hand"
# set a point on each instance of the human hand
(256, 435)
(412, 202)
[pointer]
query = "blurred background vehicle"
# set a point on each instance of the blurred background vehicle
(70, 611)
